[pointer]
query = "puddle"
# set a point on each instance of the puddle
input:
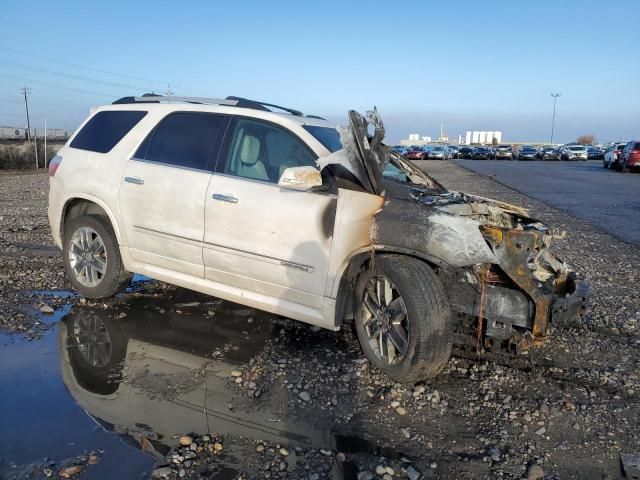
(130, 384)
(40, 421)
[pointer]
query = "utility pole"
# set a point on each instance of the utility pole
(45, 141)
(26, 91)
(553, 119)
(35, 145)
(169, 93)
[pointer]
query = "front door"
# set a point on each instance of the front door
(163, 190)
(261, 237)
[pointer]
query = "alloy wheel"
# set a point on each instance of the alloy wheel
(92, 340)
(87, 256)
(386, 320)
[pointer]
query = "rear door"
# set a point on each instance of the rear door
(261, 237)
(163, 189)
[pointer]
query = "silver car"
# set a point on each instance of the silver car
(504, 151)
(439, 153)
(573, 152)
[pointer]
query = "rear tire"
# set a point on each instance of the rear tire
(408, 285)
(89, 241)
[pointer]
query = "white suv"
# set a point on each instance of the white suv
(285, 213)
(573, 152)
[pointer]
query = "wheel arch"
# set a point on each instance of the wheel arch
(83, 204)
(358, 263)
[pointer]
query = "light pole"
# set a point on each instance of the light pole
(553, 119)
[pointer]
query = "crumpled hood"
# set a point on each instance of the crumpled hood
(484, 210)
(452, 228)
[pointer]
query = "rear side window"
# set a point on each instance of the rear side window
(105, 129)
(184, 139)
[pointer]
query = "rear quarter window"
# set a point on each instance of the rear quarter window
(105, 129)
(184, 139)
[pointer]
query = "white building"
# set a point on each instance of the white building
(415, 139)
(483, 137)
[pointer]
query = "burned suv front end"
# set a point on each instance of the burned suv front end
(506, 305)
(504, 285)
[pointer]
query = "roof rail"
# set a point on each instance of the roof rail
(229, 101)
(150, 98)
(246, 103)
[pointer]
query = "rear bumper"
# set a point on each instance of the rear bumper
(54, 210)
(633, 162)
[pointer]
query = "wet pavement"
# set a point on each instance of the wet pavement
(606, 198)
(123, 385)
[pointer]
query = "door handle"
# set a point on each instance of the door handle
(134, 180)
(224, 198)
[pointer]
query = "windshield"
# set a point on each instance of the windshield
(577, 148)
(327, 136)
(391, 171)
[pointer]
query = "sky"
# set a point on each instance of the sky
(474, 65)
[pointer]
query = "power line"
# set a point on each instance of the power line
(80, 90)
(107, 72)
(73, 77)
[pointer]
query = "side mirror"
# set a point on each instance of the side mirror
(300, 178)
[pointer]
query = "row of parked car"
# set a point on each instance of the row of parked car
(622, 156)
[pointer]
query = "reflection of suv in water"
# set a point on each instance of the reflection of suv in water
(128, 373)
(283, 212)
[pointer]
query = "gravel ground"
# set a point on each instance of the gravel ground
(29, 262)
(32, 280)
(566, 410)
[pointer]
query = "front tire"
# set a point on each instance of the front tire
(403, 318)
(92, 258)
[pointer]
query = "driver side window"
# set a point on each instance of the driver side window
(261, 151)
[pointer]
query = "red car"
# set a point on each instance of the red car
(417, 153)
(630, 157)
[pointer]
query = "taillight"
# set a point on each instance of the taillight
(54, 163)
